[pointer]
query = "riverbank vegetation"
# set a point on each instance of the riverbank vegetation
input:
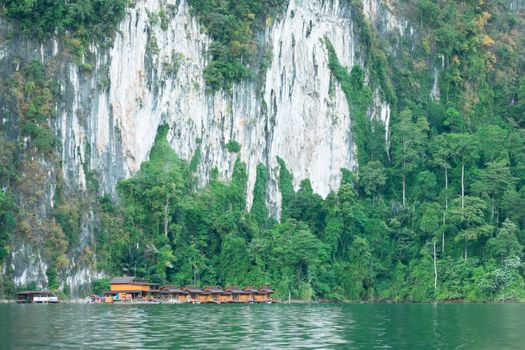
(354, 245)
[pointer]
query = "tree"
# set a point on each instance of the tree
(464, 150)
(492, 183)
(361, 269)
(285, 187)
(295, 255)
(430, 219)
(408, 141)
(442, 156)
(156, 187)
(164, 260)
(352, 217)
(493, 143)
(52, 278)
(430, 225)
(259, 209)
(132, 260)
(425, 187)
(469, 215)
(234, 262)
(8, 216)
(372, 178)
(454, 121)
(334, 227)
(307, 206)
(513, 204)
(505, 244)
(99, 286)
(520, 106)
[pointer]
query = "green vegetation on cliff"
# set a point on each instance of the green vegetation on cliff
(234, 54)
(437, 214)
(233, 26)
(369, 135)
(87, 20)
(32, 93)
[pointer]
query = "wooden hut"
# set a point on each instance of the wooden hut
(175, 294)
(36, 297)
(256, 295)
(194, 294)
(239, 295)
(215, 294)
(204, 297)
(267, 293)
(226, 297)
(128, 288)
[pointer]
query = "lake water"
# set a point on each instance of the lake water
(276, 326)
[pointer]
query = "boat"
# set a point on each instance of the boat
(95, 299)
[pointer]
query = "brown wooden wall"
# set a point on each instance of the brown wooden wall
(225, 298)
(245, 297)
(204, 298)
(260, 297)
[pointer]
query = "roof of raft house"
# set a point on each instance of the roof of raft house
(213, 289)
(236, 290)
(253, 290)
(193, 289)
(173, 289)
(28, 292)
(266, 289)
(130, 280)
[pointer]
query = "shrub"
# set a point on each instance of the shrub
(233, 146)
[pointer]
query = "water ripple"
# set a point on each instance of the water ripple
(324, 326)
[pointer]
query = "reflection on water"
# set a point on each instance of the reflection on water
(325, 326)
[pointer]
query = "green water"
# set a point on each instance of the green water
(275, 326)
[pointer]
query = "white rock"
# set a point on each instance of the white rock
(303, 115)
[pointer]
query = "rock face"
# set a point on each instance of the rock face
(516, 5)
(108, 118)
(298, 112)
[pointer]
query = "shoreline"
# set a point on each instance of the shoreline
(300, 302)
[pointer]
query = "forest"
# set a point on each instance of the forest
(435, 212)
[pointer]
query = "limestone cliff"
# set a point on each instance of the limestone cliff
(113, 101)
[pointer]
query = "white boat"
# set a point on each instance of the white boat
(45, 300)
